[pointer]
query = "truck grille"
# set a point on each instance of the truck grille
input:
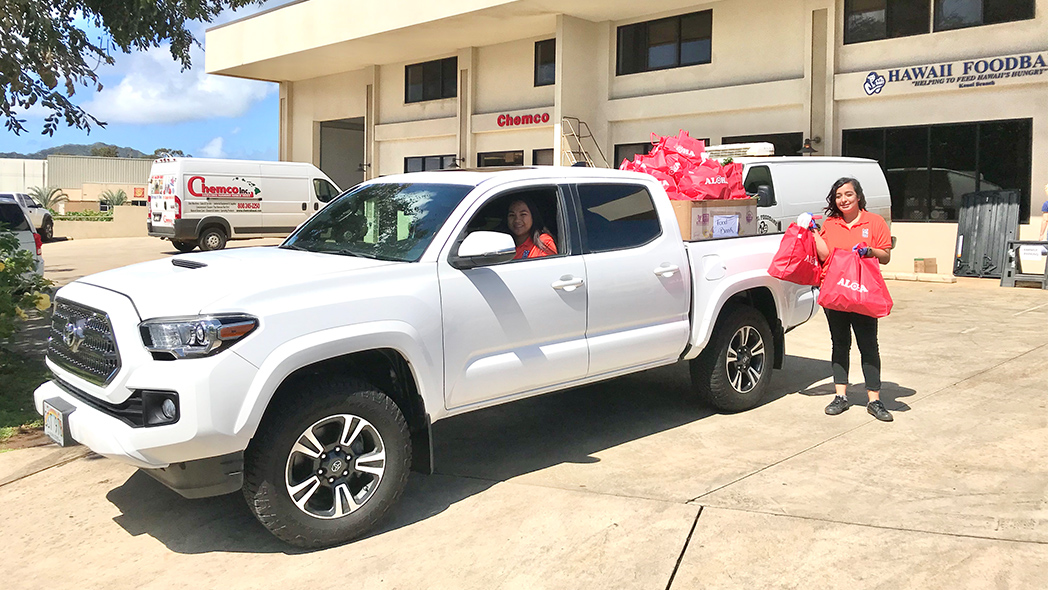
(82, 342)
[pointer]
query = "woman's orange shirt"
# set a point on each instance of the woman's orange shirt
(529, 250)
(869, 228)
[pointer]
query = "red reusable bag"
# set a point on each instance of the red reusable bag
(855, 284)
(705, 182)
(734, 173)
(796, 260)
(685, 145)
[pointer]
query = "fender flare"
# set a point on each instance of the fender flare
(702, 329)
(214, 220)
(335, 342)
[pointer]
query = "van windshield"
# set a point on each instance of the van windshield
(389, 221)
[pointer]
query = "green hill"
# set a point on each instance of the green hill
(76, 149)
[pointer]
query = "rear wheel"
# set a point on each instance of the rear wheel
(733, 372)
(324, 469)
(212, 238)
(183, 246)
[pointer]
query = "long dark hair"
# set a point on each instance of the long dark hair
(832, 210)
(538, 226)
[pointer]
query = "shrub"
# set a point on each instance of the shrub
(21, 289)
(49, 196)
(114, 198)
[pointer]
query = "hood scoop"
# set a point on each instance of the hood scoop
(184, 263)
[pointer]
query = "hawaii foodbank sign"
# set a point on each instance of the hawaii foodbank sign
(972, 73)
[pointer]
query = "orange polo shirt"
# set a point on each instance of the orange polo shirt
(869, 228)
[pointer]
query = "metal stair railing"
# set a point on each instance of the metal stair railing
(573, 128)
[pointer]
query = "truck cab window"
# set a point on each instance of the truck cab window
(617, 216)
(544, 209)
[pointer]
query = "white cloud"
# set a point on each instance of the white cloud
(235, 131)
(154, 90)
(213, 149)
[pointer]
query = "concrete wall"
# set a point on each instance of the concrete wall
(128, 222)
(505, 77)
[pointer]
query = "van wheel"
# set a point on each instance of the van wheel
(733, 372)
(212, 238)
(183, 246)
(326, 466)
(47, 232)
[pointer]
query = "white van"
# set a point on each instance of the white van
(205, 202)
(786, 186)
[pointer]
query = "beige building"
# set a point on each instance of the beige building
(950, 96)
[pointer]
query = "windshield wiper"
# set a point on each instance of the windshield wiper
(370, 255)
(294, 247)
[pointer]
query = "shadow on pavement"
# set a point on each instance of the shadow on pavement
(473, 452)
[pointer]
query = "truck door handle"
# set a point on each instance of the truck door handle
(303, 206)
(667, 270)
(567, 283)
(316, 206)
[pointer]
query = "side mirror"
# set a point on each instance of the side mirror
(482, 248)
(765, 198)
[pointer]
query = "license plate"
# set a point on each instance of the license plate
(56, 413)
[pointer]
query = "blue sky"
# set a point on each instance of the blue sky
(148, 103)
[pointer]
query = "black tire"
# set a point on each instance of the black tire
(183, 246)
(47, 231)
(212, 238)
(733, 372)
(274, 463)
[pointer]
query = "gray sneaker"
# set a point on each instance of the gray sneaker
(838, 405)
(877, 410)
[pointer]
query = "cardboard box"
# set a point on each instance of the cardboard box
(925, 265)
(706, 220)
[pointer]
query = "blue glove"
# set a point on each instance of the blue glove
(862, 250)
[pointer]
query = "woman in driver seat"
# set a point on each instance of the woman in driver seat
(529, 232)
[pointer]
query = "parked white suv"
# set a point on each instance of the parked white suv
(14, 217)
(39, 216)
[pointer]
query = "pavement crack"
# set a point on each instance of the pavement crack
(684, 549)
(884, 527)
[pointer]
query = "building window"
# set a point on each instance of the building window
(869, 20)
(677, 41)
(424, 163)
(543, 157)
(545, 62)
(514, 158)
(959, 14)
(786, 144)
(431, 80)
(626, 151)
(929, 168)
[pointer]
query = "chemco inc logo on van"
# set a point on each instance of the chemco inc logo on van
(237, 187)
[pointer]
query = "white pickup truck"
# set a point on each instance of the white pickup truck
(308, 375)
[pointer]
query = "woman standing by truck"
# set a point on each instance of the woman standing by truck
(850, 226)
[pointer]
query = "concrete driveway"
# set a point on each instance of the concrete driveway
(632, 484)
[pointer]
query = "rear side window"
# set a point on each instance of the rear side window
(12, 218)
(617, 216)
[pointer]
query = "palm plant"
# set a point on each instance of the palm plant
(114, 198)
(49, 196)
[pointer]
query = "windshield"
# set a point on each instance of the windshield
(384, 221)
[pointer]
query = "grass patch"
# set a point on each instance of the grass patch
(19, 377)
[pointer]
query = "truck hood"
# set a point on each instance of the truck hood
(161, 289)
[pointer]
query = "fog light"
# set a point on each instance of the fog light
(169, 410)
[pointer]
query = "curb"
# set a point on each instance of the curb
(923, 277)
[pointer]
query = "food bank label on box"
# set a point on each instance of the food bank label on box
(705, 220)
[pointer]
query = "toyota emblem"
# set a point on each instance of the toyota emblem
(336, 465)
(73, 335)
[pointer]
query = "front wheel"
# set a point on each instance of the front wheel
(212, 238)
(733, 372)
(324, 469)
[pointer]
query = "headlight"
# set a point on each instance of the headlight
(194, 337)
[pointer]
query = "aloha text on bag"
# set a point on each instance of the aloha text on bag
(796, 260)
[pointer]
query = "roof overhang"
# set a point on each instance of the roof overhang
(314, 38)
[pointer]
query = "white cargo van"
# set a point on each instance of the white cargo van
(205, 202)
(786, 186)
